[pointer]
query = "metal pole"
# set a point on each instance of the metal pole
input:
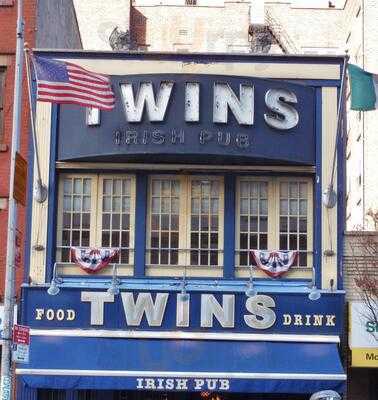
(40, 191)
(6, 387)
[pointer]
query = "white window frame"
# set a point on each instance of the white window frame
(184, 266)
(95, 222)
(296, 272)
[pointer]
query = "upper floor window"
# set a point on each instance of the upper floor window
(274, 214)
(185, 225)
(184, 219)
(96, 211)
(6, 2)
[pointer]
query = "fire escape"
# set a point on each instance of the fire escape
(263, 36)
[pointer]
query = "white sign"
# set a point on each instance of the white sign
(20, 353)
(363, 331)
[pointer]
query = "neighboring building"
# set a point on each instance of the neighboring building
(98, 19)
(191, 172)
(360, 265)
(323, 27)
(361, 41)
(8, 17)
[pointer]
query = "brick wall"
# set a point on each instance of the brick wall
(191, 28)
(361, 254)
(8, 18)
(98, 18)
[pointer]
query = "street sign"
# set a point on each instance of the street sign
(20, 179)
(21, 334)
(21, 343)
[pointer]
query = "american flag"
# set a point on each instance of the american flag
(67, 83)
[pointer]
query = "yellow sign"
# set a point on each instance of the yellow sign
(363, 336)
(365, 357)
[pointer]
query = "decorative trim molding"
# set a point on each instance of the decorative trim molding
(134, 334)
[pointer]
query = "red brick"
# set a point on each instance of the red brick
(8, 18)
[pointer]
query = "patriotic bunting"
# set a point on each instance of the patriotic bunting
(274, 263)
(92, 260)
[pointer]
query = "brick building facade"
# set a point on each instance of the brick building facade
(8, 18)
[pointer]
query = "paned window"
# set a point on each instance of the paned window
(253, 218)
(164, 224)
(204, 222)
(274, 214)
(185, 222)
(294, 218)
(96, 211)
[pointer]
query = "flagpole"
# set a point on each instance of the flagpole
(40, 191)
(329, 195)
(6, 384)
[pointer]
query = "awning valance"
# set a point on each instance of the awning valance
(153, 364)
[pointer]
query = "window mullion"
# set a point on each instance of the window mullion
(96, 211)
(221, 223)
(60, 220)
(184, 220)
(132, 220)
(310, 223)
(273, 214)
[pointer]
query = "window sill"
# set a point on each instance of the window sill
(68, 269)
(178, 271)
(293, 273)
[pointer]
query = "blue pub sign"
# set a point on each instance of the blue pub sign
(207, 169)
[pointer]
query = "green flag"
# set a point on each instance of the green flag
(364, 89)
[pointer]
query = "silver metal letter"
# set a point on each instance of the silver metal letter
(259, 306)
(192, 91)
(97, 300)
(242, 109)
(144, 304)
(283, 116)
(155, 108)
(224, 314)
(182, 311)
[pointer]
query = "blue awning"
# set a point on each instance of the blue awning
(121, 364)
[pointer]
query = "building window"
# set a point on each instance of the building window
(6, 3)
(253, 218)
(96, 211)
(2, 96)
(164, 221)
(274, 214)
(185, 224)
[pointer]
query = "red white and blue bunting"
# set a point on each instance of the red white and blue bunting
(92, 260)
(274, 263)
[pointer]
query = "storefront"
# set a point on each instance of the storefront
(363, 343)
(207, 165)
